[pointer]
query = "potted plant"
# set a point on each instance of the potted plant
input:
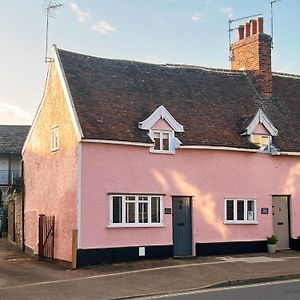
(271, 243)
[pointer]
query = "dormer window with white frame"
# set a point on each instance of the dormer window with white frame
(54, 139)
(161, 140)
(263, 141)
(261, 132)
(162, 128)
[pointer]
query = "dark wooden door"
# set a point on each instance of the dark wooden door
(182, 226)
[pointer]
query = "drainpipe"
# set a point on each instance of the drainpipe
(23, 201)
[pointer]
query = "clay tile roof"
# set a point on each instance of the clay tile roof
(12, 138)
(112, 96)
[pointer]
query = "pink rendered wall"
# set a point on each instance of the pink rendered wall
(51, 177)
(161, 124)
(260, 129)
(208, 176)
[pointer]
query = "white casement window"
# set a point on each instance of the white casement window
(135, 210)
(54, 138)
(240, 211)
(263, 141)
(164, 141)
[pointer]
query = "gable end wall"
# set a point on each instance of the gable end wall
(51, 177)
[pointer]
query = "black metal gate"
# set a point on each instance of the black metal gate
(46, 237)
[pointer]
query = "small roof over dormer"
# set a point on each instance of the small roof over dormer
(161, 113)
(261, 118)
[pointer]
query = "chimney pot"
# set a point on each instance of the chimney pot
(260, 25)
(241, 32)
(247, 30)
(253, 27)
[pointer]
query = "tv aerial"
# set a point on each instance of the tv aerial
(231, 29)
(50, 7)
(272, 2)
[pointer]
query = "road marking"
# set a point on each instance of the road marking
(208, 290)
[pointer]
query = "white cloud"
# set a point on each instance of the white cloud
(198, 17)
(11, 114)
(228, 11)
(103, 27)
(82, 16)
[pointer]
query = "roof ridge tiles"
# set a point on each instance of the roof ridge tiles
(168, 65)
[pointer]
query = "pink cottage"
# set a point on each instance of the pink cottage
(140, 161)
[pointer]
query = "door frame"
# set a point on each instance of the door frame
(173, 197)
(289, 214)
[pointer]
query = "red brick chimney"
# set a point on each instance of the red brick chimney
(252, 52)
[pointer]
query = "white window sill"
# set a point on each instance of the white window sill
(162, 151)
(136, 226)
(240, 222)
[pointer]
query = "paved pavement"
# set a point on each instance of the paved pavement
(23, 277)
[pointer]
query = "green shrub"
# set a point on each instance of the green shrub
(272, 239)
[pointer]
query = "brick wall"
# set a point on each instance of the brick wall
(15, 221)
(253, 53)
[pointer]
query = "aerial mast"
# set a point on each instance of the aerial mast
(50, 7)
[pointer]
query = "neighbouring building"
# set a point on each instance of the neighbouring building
(12, 138)
(149, 161)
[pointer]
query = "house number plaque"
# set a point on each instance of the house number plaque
(168, 210)
(264, 210)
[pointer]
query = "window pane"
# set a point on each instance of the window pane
(166, 141)
(117, 209)
(229, 210)
(156, 141)
(130, 209)
(240, 210)
(143, 212)
(250, 210)
(130, 212)
(155, 209)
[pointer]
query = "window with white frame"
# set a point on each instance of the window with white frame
(240, 211)
(162, 141)
(263, 141)
(54, 138)
(135, 210)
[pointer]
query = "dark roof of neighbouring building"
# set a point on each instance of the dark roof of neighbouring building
(12, 138)
(215, 106)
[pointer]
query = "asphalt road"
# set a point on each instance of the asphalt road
(287, 290)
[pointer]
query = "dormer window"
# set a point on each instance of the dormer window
(162, 128)
(263, 141)
(261, 132)
(161, 140)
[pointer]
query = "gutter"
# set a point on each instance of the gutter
(221, 148)
(192, 147)
(281, 153)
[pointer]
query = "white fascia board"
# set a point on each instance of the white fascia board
(261, 118)
(37, 114)
(161, 113)
(112, 142)
(67, 93)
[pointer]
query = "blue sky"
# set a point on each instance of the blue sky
(157, 31)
